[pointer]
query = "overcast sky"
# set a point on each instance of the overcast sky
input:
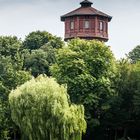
(19, 17)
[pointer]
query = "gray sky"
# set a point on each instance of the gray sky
(19, 17)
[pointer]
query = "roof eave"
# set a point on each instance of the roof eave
(64, 17)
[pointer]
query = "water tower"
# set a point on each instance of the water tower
(86, 22)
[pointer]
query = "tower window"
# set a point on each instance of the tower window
(72, 25)
(101, 25)
(86, 25)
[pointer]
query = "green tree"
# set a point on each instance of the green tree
(39, 61)
(42, 47)
(11, 75)
(124, 107)
(9, 46)
(39, 38)
(87, 68)
(10, 78)
(134, 55)
(42, 110)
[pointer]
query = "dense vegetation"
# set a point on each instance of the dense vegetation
(42, 110)
(108, 88)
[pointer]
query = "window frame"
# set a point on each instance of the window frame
(101, 25)
(72, 25)
(86, 24)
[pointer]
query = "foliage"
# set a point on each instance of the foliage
(9, 46)
(39, 38)
(38, 61)
(124, 110)
(87, 68)
(11, 75)
(9, 79)
(41, 55)
(135, 83)
(134, 55)
(42, 110)
(110, 94)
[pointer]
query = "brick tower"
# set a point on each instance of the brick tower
(86, 23)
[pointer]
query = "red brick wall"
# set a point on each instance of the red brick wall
(79, 30)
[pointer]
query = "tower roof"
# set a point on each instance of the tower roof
(85, 9)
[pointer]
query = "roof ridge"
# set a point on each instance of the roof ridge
(72, 11)
(98, 11)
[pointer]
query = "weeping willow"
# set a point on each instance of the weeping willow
(42, 110)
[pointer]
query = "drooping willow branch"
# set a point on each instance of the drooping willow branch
(42, 110)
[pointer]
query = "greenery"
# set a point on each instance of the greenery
(109, 89)
(123, 111)
(37, 39)
(39, 52)
(134, 55)
(87, 68)
(42, 110)
(11, 75)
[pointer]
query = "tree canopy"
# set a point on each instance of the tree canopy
(12, 74)
(108, 88)
(87, 68)
(42, 110)
(39, 38)
(134, 55)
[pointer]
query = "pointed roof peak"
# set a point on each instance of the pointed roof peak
(86, 3)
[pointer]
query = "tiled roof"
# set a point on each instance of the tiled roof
(87, 10)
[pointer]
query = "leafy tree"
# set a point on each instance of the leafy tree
(37, 39)
(87, 68)
(135, 88)
(10, 78)
(9, 46)
(42, 110)
(124, 107)
(42, 47)
(38, 61)
(134, 55)
(4, 122)
(11, 75)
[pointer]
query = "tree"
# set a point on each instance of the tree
(10, 78)
(39, 61)
(123, 115)
(11, 75)
(42, 110)
(9, 46)
(134, 55)
(42, 47)
(39, 38)
(87, 68)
